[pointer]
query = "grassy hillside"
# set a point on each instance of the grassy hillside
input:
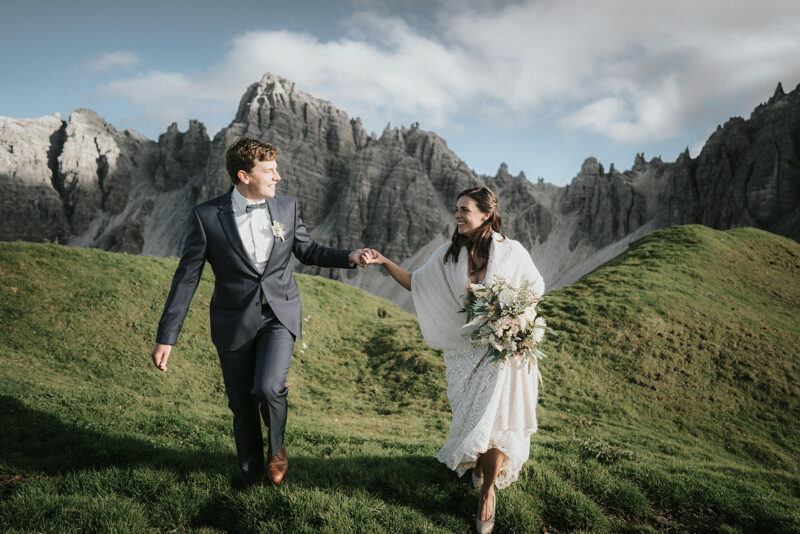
(670, 402)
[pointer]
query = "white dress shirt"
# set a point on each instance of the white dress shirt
(255, 229)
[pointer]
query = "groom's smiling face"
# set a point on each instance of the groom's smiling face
(261, 181)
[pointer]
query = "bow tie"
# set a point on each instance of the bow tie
(252, 207)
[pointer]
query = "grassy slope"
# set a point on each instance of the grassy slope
(670, 401)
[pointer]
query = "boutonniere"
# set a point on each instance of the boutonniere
(277, 230)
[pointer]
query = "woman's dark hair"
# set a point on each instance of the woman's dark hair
(478, 240)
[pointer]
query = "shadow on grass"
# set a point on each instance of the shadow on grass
(373, 488)
(34, 443)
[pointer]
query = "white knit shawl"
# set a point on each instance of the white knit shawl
(439, 289)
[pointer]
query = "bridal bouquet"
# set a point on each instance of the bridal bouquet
(509, 326)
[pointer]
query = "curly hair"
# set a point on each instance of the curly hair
(243, 155)
(478, 240)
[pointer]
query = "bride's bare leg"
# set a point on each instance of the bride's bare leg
(478, 467)
(489, 463)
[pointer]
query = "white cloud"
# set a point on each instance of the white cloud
(596, 116)
(108, 61)
(652, 115)
(631, 71)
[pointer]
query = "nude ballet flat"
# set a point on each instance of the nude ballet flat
(484, 527)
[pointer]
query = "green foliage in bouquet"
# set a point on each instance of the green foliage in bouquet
(506, 320)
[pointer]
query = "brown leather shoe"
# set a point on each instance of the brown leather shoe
(277, 466)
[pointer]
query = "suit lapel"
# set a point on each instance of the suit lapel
(228, 223)
(272, 204)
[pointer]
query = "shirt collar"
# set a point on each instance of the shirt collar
(239, 202)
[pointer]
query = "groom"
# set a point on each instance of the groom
(248, 236)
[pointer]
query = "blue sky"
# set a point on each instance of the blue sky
(539, 85)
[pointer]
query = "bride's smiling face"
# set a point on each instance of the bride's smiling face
(468, 215)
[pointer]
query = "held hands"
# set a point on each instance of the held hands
(400, 275)
(357, 256)
(372, 256)
(366, 256)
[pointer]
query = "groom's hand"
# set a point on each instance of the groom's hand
(357, 257)
(160, 354)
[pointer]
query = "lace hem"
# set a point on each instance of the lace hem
(494, 406)
(514, 444)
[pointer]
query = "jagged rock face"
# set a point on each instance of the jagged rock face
(182, 157)
(387, 201)
(748, 173)
(609, 207)
(30, 206)
(96, 168)
(317, 144)
(88, 184)
(99, 171)
(393, 192)
(446, 172)
(525, 208)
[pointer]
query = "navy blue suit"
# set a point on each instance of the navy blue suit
(255, 317)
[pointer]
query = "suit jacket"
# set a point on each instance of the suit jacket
(239, 288)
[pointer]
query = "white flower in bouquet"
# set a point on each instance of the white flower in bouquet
(507, 297)
(498, 332)
(527, 316)
(501, 326)
(506, 320)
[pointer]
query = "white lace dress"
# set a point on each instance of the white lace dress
(493, 406)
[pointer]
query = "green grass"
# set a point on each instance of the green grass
(670, 402)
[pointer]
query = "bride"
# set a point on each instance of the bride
(493, 405)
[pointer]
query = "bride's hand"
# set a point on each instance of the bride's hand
(371, 255)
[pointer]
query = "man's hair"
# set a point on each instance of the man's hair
(243, 155)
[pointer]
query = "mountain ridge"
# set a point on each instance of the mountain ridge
(120, 191)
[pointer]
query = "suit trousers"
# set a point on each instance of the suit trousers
(255, 381)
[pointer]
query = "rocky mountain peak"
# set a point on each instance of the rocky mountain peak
(591, 167)
(393, 137)
(779, 104)
(778, 92)
(272, 91)
(88, 116)
(502, 172)
(182, 156)
(84, 182)
(639, 162)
